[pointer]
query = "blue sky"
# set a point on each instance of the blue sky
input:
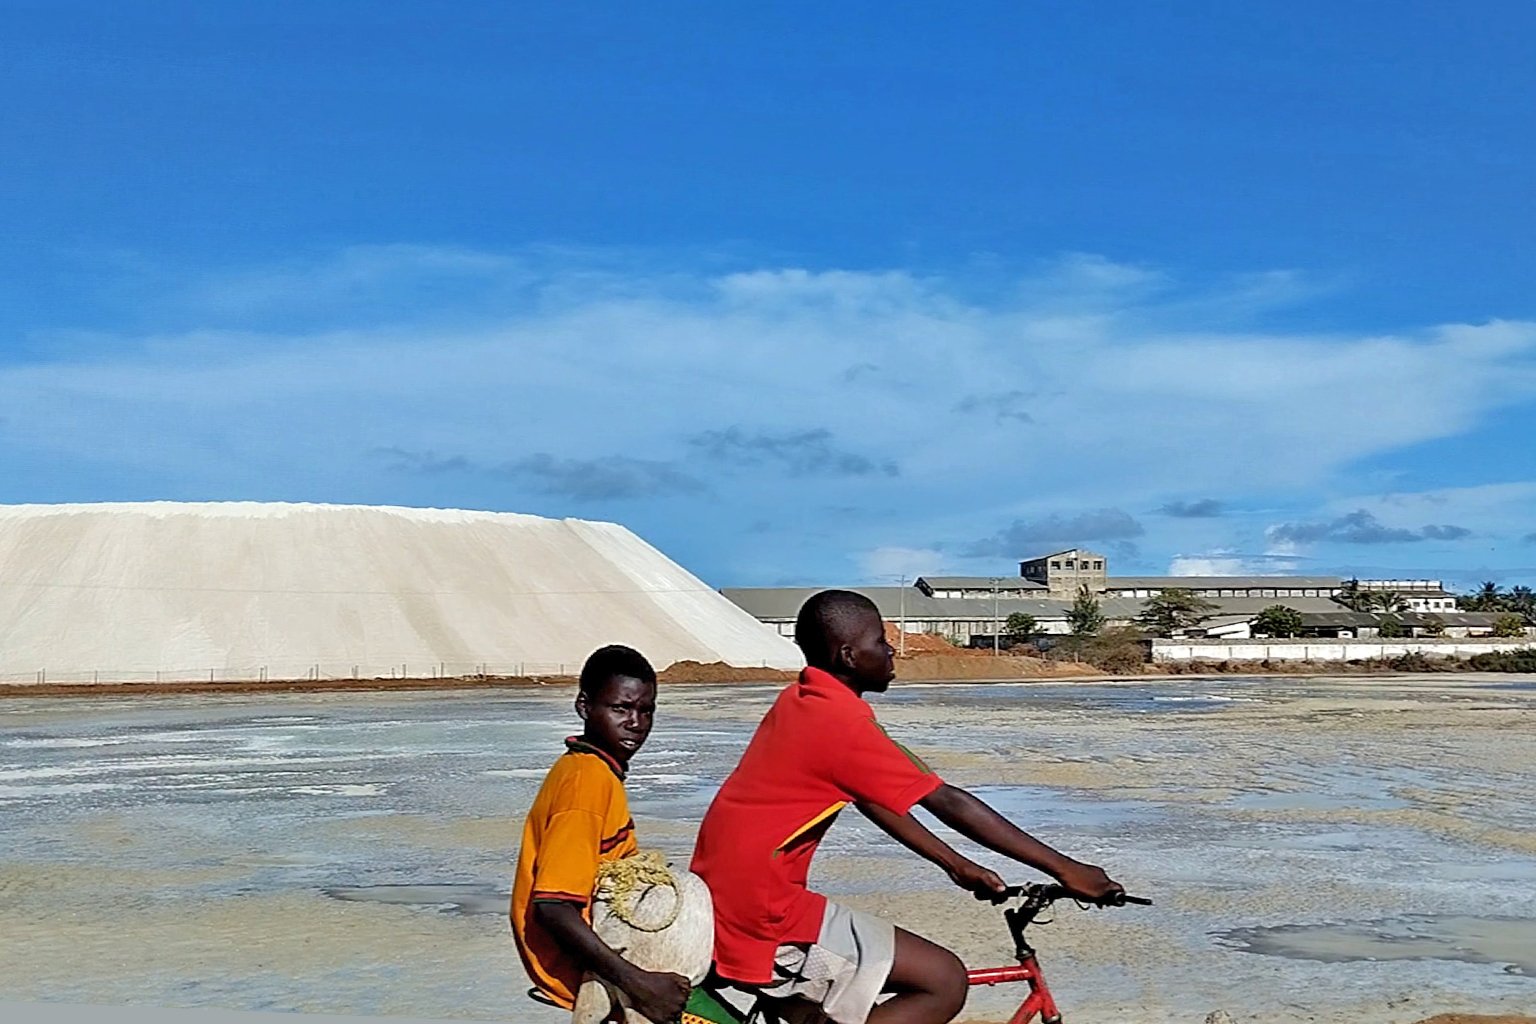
(801, 293)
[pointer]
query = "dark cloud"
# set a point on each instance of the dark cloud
(1024, 537)
(603, 479)
(858, 370)
(399, 460)
(1204, 508)
(1361, 527)
(801, 453)
(1529, 538)
(1004, 405)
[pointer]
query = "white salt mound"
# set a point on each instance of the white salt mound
(247, 590)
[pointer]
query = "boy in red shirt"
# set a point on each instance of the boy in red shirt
(819, 749)
(579, 820)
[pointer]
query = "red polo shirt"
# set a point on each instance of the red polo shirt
(818, 749)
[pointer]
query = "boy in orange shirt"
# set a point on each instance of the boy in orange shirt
(579, 820)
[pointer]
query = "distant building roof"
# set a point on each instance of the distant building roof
(979, 583)
(1063, 551)
(783, 604)
(1224, 582)
(1343, 618)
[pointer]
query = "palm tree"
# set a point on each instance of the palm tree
(1522, 601)
(1389, 602)
(1352, 597)
(1487, 598)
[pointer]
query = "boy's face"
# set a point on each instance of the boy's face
(870, 660)
(618, 716)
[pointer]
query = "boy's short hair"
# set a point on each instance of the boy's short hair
(614, 660)
(827, 614)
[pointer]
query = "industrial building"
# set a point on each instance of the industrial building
(963, 607)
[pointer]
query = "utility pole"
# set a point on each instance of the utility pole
(901, 642)
(995, 582)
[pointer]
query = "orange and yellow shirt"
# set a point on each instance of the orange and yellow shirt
(580, 819)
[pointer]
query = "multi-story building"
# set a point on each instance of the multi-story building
(964, 606)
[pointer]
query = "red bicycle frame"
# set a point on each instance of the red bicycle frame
(1039, 1000)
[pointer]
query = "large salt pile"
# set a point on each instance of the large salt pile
(244, 590)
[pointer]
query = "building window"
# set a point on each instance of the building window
(1056, 565)
(1098, 565)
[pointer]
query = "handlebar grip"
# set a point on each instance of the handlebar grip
(1051, 893)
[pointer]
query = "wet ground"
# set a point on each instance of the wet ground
(1314, 847)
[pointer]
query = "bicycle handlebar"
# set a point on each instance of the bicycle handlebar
(1043, 895)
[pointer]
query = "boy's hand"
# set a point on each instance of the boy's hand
(983, 883)
(1088, 883)
(657, 997)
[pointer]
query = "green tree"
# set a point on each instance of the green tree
(1172, 610)
(1487, 598)
(1084, 617)
(1278, 621)
(1509, 624)
(1390, 628)
(1522, 601)
(1389, 602)
(1021, 626)
(1434, 625)
(1353, 597)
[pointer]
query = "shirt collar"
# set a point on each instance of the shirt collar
(577, 745)
(827, 684)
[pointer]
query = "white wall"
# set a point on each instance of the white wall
(1323, 650)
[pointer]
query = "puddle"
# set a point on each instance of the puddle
(1050, 807)
(1505, 941)
(469, 898)
(1320, 802)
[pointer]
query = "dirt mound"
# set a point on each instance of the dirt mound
(938, 668)
(919, 644)
(720, 672)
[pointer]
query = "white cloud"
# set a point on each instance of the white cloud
(1228, 563)
(889, 564)
(1117, 394)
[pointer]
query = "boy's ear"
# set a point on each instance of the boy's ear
(582, 707)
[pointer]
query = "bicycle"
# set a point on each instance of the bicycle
(1035, 899)
(705, 1008)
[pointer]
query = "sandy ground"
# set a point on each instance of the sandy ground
(1360, 849)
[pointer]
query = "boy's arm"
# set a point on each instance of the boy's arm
(976, 821)
(915, 836)
(656, 996)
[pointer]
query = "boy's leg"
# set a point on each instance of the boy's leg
(929, 982)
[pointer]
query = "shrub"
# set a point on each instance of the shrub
(1418, 661)
(1509, 625)
(1120, 651)
(1504, 661)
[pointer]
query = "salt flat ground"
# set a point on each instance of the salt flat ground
(1317, 848)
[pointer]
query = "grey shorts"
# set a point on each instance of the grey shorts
(841, 974)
